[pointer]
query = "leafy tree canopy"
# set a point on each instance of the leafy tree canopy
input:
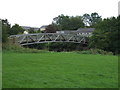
(91, 19)
(16, 29)
(106, 35)
(5, 30)
(63, 22)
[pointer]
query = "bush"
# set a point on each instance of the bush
(16, 48)
(99, 51)
(95, 51)
(85, 52)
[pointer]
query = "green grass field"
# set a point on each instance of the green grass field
(59, 70)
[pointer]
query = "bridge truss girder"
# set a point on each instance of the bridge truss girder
(27, 39)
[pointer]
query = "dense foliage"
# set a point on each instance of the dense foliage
(5, 30)
(91, 20)
(50, 29)
(63, 22)
(16, 29)
(106, 35)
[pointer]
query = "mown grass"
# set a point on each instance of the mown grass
(59, 70)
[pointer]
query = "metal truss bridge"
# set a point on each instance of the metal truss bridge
(27, 39)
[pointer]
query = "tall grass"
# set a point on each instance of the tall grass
(7, 47)
(95, 51)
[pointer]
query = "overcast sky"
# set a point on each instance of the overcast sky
(36, 13)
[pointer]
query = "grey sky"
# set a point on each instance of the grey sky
(41, 12)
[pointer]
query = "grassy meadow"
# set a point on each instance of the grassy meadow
(59, 70)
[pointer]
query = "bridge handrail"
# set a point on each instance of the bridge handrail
(34, 34)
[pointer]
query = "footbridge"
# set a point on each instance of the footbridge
(27, 39)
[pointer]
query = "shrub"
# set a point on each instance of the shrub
(85, 52)
(17, 48)
(95, 51)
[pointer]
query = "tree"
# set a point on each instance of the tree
(106, 35)
(95, 18)
(5, 30)
(31, 30)
(16, 29)
(38, 31)
(51, 29)
(91, 20)
(76, 22)
(86, 19)
(68, 23)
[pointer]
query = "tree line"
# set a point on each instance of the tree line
(63, 22)
(105, 36)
